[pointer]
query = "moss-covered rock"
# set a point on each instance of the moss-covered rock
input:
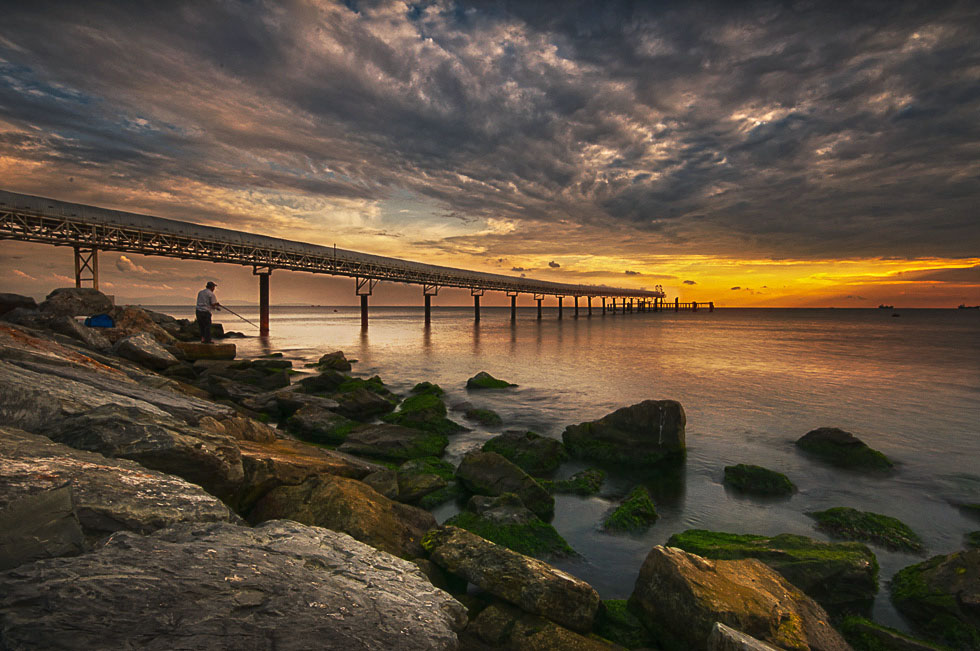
(843, 449)
(940, 598)
(335, 361)
(484, 380)
(486, 417)
(617, 624)
(584, 482)
(865, 635)
(642, 435)
(973, 539)
(636, 512)
(839, 576)
(506, 521)
(315, 424)
(883, 530)
(488, 473)
(360, 403)
(454, 490)
(394, 442)
(532, 453)
(372, 384)
(424, 411)
(420, 477)
(758, 480)
(326, 382)
(428, 387)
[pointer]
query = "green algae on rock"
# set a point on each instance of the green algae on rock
(425, 411)
(843, 449)
(488, 473)
(505, 520)
(758, 480)
(532, 453)
(836, 575)
(617, 624)
(584, 482)
(636, 512)
(486, 417)
(484, 380)
(641, 435)
(865, 635)
(973, 539)
(939, 597)
(883, 530)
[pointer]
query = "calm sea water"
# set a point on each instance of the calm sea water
(751, 382)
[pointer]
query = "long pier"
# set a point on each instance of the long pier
(89, 229)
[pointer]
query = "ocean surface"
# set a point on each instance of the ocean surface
(751, 381)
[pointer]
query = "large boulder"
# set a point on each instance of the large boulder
(91, 337)
(242, 428)
(143, 349)
(43, 525)
(642, 435)
(350, 506)
(488, 473)
(841, 448)
(837, 575)
(506, 521)
(484, 380)
(108, 494)
(335, 361)
(500, 625)
(941, 597)
(363, 404)
(318, 423)
(681, 596)
(394, 442)
(531, 585)
(193, 350)
(156, 442)
(281, 585)
(532, 453)
(76, 301)
(10, 302)
(423, 476)
(130, 320)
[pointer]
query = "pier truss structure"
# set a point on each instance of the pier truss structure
(89, 229)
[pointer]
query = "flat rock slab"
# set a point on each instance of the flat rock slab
(531, 585)
(195, 351)
(109, 494)
(280, 586)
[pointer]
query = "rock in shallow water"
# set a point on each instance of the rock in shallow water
(279, 586)
(641, 435)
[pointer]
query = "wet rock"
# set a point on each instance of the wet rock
(43, 525)
(385, 482)
(864, 634)
(941, 598)
(76, 301)
(239, 427)
(532, 453)
(584, 482)
(130, 320)
(506, 521)
(288, 463)
(158, 442)
(641, 435)
(617, 624)
(144, 349)
(635, 513)
(335, 361)
(683, 595)
(394, 442)
(758, 480)
(486, 417)
(91, 337)
(488, 473)
(327, 381)
(9, 302)
(424, 411)
(531, 585)
(500, 625)
(484, 380)
(352, 507)
(839, 576)
(725, 638)
(281, 585)
(422, 476)
(851, 524)
(109, 494)
(317, 423)
(194, 350)
(362, 404)
(842, 448)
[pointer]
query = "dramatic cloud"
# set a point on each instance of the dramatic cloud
(126, 265)
(466, 131)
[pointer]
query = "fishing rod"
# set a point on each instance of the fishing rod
(239, 316)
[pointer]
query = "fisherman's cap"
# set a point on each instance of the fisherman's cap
(211, 283)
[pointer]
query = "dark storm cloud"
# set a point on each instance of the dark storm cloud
(780, 130)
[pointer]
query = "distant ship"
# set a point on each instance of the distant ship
(886, 307)
(968, 307)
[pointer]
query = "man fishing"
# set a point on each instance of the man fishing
(207, 302)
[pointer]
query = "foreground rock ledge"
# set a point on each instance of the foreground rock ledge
(532, 585)
(279, 586)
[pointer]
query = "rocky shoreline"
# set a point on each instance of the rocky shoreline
(152, 496)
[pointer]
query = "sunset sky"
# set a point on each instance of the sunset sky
(750, 154)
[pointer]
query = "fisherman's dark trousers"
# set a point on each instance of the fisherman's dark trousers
(204, 323)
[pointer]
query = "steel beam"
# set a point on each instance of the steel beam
(86, 259)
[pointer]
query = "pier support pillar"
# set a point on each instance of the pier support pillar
(613, 307)
(677, 304)
(86, 261)
(539, 298)
(711, 306)
(264, 273)
(590, 305)
(513, 305)
(363, 287)
(576, 307)
(559, 306)
(603, 306)
(477, 293)
(428, 291)
(694, 307)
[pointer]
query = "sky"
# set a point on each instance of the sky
(760, 154)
